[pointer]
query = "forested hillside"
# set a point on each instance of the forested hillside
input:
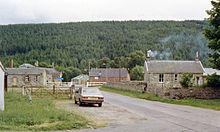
(74, 44)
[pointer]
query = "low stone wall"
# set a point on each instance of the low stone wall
(174, 93)
(127, 85)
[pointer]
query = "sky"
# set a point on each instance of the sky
(56, 11)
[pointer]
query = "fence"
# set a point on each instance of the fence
(54, 91)
(89, 84)
(66, 84)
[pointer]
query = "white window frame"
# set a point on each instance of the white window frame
(161, 78)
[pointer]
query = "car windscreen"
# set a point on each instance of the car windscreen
(90, 91)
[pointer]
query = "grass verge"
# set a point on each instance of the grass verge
(203, 103)
(40, 115)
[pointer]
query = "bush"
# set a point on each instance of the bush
(213, 80)
(186, 80)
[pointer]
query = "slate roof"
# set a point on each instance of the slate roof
(26, 66)
(31, 70)
(210, 71)
(52, 71)
(83, 77)
(166, 66)
(110, 72)
(24, 71)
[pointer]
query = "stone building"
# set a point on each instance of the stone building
(30, 75)
(2, 80)
(108, 75)
(168, 73)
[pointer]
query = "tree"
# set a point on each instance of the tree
(70, 72)
(137, 58)
(213, 34)
(186, 80)
(104, 62)
(137, 73)
(213, 80)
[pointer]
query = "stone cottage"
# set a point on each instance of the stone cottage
(30, 75)
(108, 75)
(2, 80)
(168, 73)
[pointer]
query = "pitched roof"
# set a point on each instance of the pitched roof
(30, 69)
(23, 71)
(52, 71)
(210, 71)
(82, 76)
(2, 67)
(110, 72)
(166, 66)
(26, 66)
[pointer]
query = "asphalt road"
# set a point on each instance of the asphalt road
(162, 117)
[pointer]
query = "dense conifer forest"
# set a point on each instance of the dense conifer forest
(77, 44)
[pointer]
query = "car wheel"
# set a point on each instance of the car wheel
(100, 104)
(75, 101)
(80, 103)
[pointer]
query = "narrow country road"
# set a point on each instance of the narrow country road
(162, 117)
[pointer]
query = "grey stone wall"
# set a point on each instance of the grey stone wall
(34, 80)
(165, 92)
(152, 80)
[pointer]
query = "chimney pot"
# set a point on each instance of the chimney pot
(11, 63)
(148, 55)
(36, 64)
(197, 57)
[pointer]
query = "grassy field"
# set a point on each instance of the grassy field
(40, 115)
(210, 104)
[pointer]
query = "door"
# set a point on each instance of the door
(14, 81)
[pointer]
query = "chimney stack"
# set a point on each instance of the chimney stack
(11, 63)
(197, 57)
(36, 64)
(148, 55)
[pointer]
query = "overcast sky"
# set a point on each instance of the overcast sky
(44, 11)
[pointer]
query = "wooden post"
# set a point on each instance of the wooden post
(54, 89)
(23, 89)
(29, 94)
(71, 91)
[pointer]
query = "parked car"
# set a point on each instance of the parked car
(86, 95)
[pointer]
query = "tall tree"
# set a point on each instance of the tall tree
(213, 33)
(137, 58)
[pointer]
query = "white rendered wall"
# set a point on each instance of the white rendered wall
(2, 106)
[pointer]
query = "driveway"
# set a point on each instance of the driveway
(151, 116)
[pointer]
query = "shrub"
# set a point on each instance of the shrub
(213, 80)
(186, 80)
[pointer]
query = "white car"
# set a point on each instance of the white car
(88, 95)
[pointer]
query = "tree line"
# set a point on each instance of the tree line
(78, 44)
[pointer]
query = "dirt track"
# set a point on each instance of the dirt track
(107, 115)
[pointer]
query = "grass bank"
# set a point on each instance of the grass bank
(203, 103)
(40, 115)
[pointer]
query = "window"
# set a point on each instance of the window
(161, 77)
(197, 81)
(27, 79)
(96, 78)
(175, 77)
(36, 78)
